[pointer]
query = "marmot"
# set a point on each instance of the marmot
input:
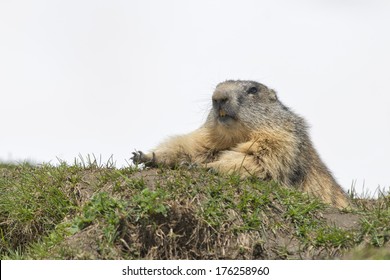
(249, 131)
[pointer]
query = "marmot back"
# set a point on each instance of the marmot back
(249, 131)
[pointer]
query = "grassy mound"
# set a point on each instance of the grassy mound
(90, 211)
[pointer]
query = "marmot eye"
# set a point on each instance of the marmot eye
(252, 90)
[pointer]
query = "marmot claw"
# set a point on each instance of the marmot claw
(139, 157)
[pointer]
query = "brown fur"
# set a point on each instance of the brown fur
(251, 132)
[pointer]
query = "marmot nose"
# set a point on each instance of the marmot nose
(220, 98)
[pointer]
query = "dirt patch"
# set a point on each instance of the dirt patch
(148, 176)
(84, 244)
(85, 187)
(341, 219)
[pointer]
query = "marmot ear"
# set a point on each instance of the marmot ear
(272, 95)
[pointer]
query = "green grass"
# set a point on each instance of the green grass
(92, 210)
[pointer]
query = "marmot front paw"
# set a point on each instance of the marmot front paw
(139, 157)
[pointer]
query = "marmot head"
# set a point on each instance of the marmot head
(244, 103)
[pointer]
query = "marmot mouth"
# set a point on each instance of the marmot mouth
(222, 113)
(224, 117)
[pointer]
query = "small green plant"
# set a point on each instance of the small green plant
(333, 237)
(101, 209)
(148, 203)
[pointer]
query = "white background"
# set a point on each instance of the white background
(109, 77)
(278, 270)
